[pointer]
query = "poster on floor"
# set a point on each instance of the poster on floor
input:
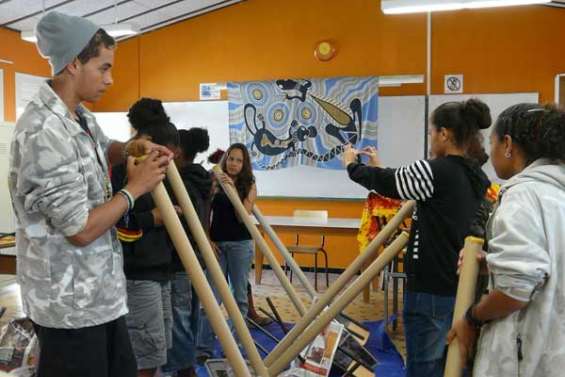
(286, 122)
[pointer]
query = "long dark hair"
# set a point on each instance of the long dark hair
(538, 130)
(465, 120)
(245, 178)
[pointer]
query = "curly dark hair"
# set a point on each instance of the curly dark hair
(193, 141)
(147, 112)
(245, 178)
(538, 130)
(465, 119)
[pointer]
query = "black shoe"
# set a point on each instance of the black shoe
(200, 360)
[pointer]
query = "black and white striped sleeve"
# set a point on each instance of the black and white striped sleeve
(377, 179)
(415, 181)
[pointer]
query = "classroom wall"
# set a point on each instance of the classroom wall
(26, 59)
(498, 50)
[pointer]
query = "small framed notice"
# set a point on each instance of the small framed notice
(453, 84)
(210, 91)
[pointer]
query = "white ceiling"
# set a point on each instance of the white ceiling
(145, 14)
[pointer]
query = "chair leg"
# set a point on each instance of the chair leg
(327, 274)
(395, 302)
(385, 298)
(292, 255)
(316, 271)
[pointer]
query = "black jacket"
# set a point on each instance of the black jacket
(448, 192)
(198, 183)
(148, 258)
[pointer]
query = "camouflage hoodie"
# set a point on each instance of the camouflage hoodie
(58, 173)
(526, 261)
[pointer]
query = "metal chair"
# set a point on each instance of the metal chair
(314, 250)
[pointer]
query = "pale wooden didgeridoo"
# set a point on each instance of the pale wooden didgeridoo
(361, 334)
(289, 260)
(464, 299)
(192, 266)
(260, 241)
(214, 269)
(344, 278)
(340, 303)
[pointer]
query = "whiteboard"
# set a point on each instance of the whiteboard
(114, 125)
(497, 104)
(401, 140)
(27, 86)
(212, 115)
(7, 224)
(1, 95)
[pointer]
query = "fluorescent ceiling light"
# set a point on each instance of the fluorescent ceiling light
(417, 6)
(114, 30)
(120, 30)
(399, 80)
(28, 36)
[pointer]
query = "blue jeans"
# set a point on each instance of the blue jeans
(186, 313)
(427, 320)
(235, 261)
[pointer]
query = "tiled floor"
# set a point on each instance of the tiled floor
(269, 287)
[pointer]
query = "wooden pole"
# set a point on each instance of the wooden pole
(285, 253)
(464, 299)
(341, 302)
(203, 289)
(214, 269)
(260, 241)
(345, 277)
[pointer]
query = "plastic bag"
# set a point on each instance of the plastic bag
(19, 349)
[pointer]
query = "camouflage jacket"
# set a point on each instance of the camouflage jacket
(526, 261)
(58, 173)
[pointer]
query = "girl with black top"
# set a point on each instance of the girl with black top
(181, 357)
(147, 251)
(448, 189)
(229, 234)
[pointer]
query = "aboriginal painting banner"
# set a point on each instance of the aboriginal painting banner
(287, 123)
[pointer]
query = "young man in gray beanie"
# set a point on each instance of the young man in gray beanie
(69, 259)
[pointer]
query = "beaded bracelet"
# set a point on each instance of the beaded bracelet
(129, 198)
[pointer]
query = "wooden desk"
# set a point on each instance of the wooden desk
(8, 258)
(297, 223)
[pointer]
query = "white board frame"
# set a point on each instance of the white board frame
(497, 102)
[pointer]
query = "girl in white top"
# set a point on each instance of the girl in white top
(522, 318)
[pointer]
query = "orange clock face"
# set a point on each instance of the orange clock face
(324, 51)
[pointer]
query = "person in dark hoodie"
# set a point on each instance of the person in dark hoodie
(181, 357)
(448, 190)
(147, 250)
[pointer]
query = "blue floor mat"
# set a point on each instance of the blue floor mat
(390, 363)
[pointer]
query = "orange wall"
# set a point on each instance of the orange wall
(26, 60)
(506, 50)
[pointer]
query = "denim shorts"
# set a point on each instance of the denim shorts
(149, 321)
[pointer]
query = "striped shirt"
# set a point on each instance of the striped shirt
(447, 191)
